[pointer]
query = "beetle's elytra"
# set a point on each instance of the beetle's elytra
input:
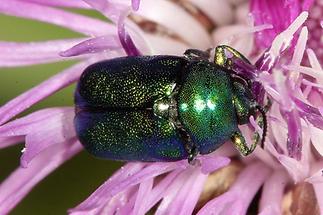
(163, 108)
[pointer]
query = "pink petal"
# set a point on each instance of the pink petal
(9, 141)
(300, 47)
(160, 190)
(297, 170)
(218, 205)
(171, 192)
(21, 54)
(29, 123)
(79, 23)
(240, 195)
(280, 43)
(313, 59)
(127, 209)
(117, 202)
(36, 94)
(135, 4)
(145, 188)
(111, 9)
(279, 13)
(125, 39)
(57, 130)
(94, 45)
(210, 164)
(316, 138)
(317, 177)
(60, 3)
(187, 197)
(273, 191)
(307, 4)
(117, 13)
(42, 129)
(124, 180)
(269, 210)
(294, 140)
(21, 181)
(318, 187)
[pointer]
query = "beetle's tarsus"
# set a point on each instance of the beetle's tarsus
(240, 143)
(192, 155)
(221, 57)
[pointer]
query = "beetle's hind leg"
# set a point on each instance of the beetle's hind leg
(224, 55)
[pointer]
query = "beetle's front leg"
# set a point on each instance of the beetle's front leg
(197, 54)
(240, 143)
(224, 56)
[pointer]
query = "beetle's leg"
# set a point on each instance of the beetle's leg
(189, 146)
(240, 143)
(197, 54)
(245, 107)
(262, 122)
(224, 55)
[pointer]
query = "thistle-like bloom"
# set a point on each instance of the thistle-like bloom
(290, 165)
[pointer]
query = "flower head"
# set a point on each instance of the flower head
(219, 183)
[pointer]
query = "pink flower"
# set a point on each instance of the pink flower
(291, 160)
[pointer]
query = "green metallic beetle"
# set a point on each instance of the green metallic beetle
(165, 108)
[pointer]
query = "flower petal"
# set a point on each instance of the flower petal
(9, 141)
(240, 195)
(29, 123)
(36, 94)
(171, 192)
(125, 39)
(117, 13)
(187, 197)
(145, 188)
(316, 138)
(280, 43)
(121, 181)
(21, 54)
(272, 193)
(111, 9)
(297, 170)
(135, 4)
(294, 140)
(279, 13)
(93, 45)
(75, 22)
(57, 130)
(210, 164)
(161, 189)
(60, 3)
(316, 178)
(318, 187)
(21, 181)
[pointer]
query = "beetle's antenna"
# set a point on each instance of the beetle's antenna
(264, 127)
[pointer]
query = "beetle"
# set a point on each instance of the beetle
(165, 108)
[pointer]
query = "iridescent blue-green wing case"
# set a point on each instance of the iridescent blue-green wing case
(115, 116)
(129, 135)
(128, 81)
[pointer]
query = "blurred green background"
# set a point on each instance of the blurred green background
(79, 177)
